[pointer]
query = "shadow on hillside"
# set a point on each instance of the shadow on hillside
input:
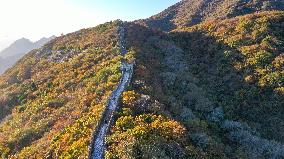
(211, 63)
(160, 23)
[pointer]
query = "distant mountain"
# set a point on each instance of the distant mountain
(2, 64)
(43, 41)
(6, 63)
(17, 50)
(20, 46)
(191, 12)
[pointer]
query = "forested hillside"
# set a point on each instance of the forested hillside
(239, 62)
(52, 99)
(214, 90)
(210, 88)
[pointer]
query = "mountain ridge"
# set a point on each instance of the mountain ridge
(14, 52)
(210, 90)
(191, 12)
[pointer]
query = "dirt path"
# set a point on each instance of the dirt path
(98, 144)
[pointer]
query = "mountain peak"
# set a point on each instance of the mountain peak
(18, 49)
(22, 41)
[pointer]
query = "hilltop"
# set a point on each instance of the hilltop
(191, 12)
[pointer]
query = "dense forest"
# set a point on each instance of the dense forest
(211, 88)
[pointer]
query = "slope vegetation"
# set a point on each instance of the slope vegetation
(52, 100)
(240, 64)
(214, 90)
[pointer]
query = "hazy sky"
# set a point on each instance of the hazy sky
(34, 19)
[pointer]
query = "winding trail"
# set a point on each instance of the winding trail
(97, 146)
